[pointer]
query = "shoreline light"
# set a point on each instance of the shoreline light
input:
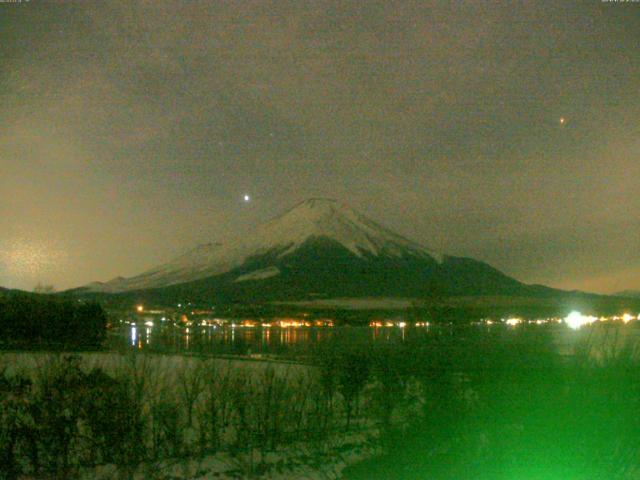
(575, 320)
(626, 318)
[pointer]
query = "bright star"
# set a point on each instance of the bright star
(247, 198)
(562, 120)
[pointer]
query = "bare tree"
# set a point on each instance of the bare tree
(191, 384)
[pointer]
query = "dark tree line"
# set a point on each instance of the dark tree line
(35, 320)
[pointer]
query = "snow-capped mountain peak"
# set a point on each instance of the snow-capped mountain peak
(322, 217)
(316, 218)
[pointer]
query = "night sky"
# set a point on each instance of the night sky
(131, 131)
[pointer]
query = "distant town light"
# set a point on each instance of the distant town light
(576, 320)
(626, 318)
(140, 308)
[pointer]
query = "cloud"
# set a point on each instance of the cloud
(141, 123)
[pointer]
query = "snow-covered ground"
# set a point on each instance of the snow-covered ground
(282, 407)
(165, 365)
(304, 461)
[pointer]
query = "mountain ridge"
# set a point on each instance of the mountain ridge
(318, 248)
(627, 294)
(312, 218)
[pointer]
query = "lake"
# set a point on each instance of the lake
(259, 341)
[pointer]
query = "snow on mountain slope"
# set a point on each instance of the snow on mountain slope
(181, 269)
(328, 218)
(259, 274)
(314, 218)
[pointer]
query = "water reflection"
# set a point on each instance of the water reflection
(220, 339)
(275, 340)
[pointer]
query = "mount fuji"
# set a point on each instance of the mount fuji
(318, 248)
